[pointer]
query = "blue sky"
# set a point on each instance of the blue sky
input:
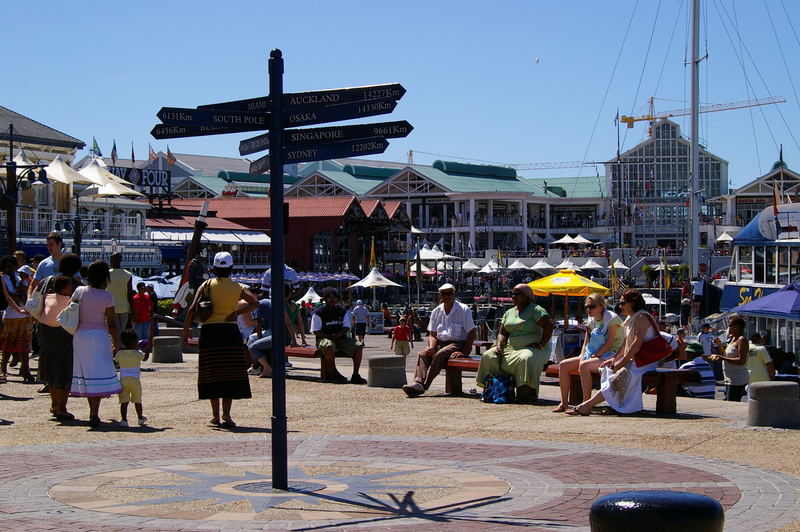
(475, 87)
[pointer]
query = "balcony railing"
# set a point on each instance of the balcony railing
(30, 223)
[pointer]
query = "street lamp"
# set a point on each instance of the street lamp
(10, 192)
(78, 227)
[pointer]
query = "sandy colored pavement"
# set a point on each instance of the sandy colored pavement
(712, 429)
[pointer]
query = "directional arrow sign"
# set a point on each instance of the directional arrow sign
(315, 99)
(321, 135)
(335, 113)
(176, 116)
(334, 150)
(162, 131)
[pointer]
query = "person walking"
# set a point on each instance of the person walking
(223, 359)
(95, 342)
(48, 266)
(360, 316)
(120, 285)
(130, 377)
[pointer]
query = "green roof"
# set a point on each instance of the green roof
(245, 177)
(358, 185)
(575, 187)
(214, 184)
(466, 178)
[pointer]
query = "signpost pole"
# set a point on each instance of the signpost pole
(279, 452)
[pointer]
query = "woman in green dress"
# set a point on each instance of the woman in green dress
(522, 347)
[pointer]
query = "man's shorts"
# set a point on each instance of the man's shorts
(361, 329)
(344, 347)
(131, 390)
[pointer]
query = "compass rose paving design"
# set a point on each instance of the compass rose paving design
(362, 481)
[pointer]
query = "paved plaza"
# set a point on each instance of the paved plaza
(369, 458)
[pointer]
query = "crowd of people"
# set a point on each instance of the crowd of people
(99, 355)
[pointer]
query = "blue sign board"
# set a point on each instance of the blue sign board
(735, 295)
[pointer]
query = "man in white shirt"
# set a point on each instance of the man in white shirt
(451, 333)
(361, 315)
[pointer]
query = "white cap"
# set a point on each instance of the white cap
(289, 277)
(27, 270)
(447, 286)
(359, 302)
(223, 259)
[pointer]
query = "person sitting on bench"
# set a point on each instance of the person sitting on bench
(452, 332)
(330, 324)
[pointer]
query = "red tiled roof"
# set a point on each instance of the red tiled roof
(391, 207)
(233, 208)
(369, 206)
(187, 222)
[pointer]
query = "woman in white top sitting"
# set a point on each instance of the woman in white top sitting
(620, 376)
(603, 339)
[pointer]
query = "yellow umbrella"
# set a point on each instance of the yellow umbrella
(566, 283)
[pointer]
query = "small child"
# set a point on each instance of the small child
(401, 338)
(129, 360)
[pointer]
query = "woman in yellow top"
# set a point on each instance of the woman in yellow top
(223, 358)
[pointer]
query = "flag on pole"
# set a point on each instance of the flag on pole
(151, 153)
(170, 158)
(614, 285)
(114, 153)
(667, 280)
(133, 157)
(95, 151)
(372, 260)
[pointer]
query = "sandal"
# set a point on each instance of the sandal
(213, 422)
(228, 423)
(64, 416)
(559, 408)
(575, 412)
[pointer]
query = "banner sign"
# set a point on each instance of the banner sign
(151, 182)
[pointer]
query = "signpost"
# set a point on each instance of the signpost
(275, 113)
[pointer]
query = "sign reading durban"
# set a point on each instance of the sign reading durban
(283, 115)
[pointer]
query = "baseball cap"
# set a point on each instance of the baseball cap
(223, 259)
(447, 286)
(27, 270)
(706, 325)
(696, 348)
(359, 302)
(289, 277)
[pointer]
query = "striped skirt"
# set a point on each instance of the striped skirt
(93, 373)
(223, 363)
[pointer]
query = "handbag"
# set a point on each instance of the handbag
(204, 309)
(70, 316)
(34, 306)
(499, 389)
(652, 350)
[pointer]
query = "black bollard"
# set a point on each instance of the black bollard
(656, 511)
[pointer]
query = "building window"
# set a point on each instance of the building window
(322, 251)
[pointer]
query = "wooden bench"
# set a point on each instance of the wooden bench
(481, 343)
(455, 367)
(575, 387)
(667, 381)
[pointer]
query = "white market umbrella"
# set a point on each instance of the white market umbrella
(517, 265)
(442, 265)
(115, 189)
(725, 237)
(442, 254)
(618, 265)
(580, 239)
(542, 265)
(60, 171)
(491, 267)
(311, 296)
(99, 175)
(470, 266)
(374, 279)
(652, 300)
(567, 265)
(566, 239)
(592, 265)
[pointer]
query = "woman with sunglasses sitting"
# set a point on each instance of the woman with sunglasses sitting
(523, 345)
(603, 339)
(620, 376)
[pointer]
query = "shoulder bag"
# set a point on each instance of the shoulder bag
(654, 349)
(499, 388)
(204, 309)
(35, 304)
(69, 318)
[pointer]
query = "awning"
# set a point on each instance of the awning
(214, 236)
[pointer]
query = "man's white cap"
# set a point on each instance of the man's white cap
(223, 259)
(289, 277)
(358, 302)
(447, 286)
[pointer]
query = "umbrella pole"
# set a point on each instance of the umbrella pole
(566, 318)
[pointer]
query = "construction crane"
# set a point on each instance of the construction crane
(652, 115)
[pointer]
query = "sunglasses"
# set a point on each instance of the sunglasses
(448, 293)
(590, 307)
(623, 302)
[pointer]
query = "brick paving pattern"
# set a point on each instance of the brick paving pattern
(442, 483)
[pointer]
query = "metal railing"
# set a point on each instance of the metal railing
(40, 223)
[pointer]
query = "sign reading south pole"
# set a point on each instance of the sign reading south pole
(178, 116)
